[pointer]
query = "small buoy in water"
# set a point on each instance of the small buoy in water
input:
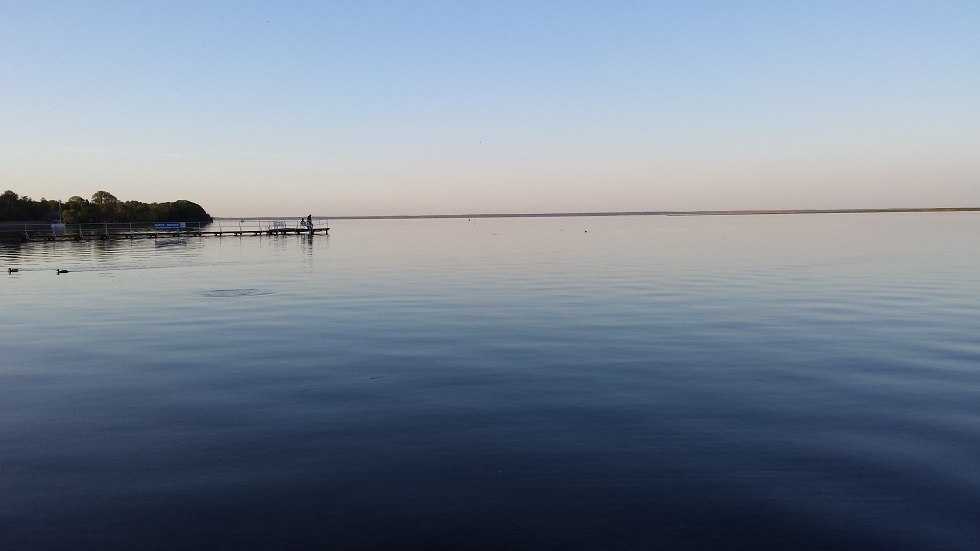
(13, 270)
(61, 271)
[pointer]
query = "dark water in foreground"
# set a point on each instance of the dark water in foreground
(645, 382)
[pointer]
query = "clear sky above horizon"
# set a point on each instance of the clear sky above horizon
(377, 108)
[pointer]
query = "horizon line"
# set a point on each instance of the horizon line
(746, 212)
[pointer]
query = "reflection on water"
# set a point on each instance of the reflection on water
(791, 381)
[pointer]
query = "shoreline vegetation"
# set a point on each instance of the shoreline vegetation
(625, 213)
(104, 207)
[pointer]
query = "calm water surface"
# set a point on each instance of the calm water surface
(635, 382)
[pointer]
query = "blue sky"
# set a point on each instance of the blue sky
(359, 108)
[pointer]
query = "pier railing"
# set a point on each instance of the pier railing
(270, 226)
(103, 230)
(32, 231)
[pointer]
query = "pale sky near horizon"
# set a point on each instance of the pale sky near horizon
(381, 108)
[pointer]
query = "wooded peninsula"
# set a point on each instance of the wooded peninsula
(103, 207)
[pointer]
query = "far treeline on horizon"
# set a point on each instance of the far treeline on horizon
(103, 207)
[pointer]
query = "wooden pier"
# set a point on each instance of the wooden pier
(161, 230)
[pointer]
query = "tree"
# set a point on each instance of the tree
(107, 203)
(104, 207)
(134, 211)
(9, 205)
(104, 198)
(79, 210)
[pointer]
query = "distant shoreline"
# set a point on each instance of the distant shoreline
(620, 213)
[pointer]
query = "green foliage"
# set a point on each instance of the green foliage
(78, 210)
(104, 207)
(107, 205)
(23, 209)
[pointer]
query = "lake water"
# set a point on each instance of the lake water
(624, 382)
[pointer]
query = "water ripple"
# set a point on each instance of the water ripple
(230, 293)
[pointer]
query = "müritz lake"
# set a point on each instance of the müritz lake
(643, 382)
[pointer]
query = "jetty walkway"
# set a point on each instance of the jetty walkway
(156, 230)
